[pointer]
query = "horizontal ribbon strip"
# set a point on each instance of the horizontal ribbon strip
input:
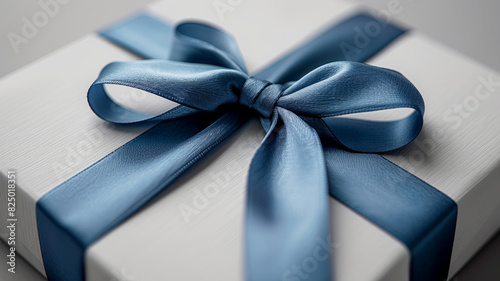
(308, 152)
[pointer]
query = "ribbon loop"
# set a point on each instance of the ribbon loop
(197, 87)
(342, 88)
(200, 43)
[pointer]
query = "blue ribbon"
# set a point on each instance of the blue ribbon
(309, 150)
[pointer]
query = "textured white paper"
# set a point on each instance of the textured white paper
(159, 242)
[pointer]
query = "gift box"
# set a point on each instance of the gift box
(194, 229)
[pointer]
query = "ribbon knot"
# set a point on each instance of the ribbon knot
(260, 95)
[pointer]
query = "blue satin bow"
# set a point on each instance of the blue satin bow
(287, 209)
(302, 158)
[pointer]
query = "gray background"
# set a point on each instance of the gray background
(471, 27)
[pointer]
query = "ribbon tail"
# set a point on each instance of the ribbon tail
(287, 215)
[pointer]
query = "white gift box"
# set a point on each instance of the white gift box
(49, 134)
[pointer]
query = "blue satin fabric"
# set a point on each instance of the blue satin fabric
(143, 35)
(302, 158)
